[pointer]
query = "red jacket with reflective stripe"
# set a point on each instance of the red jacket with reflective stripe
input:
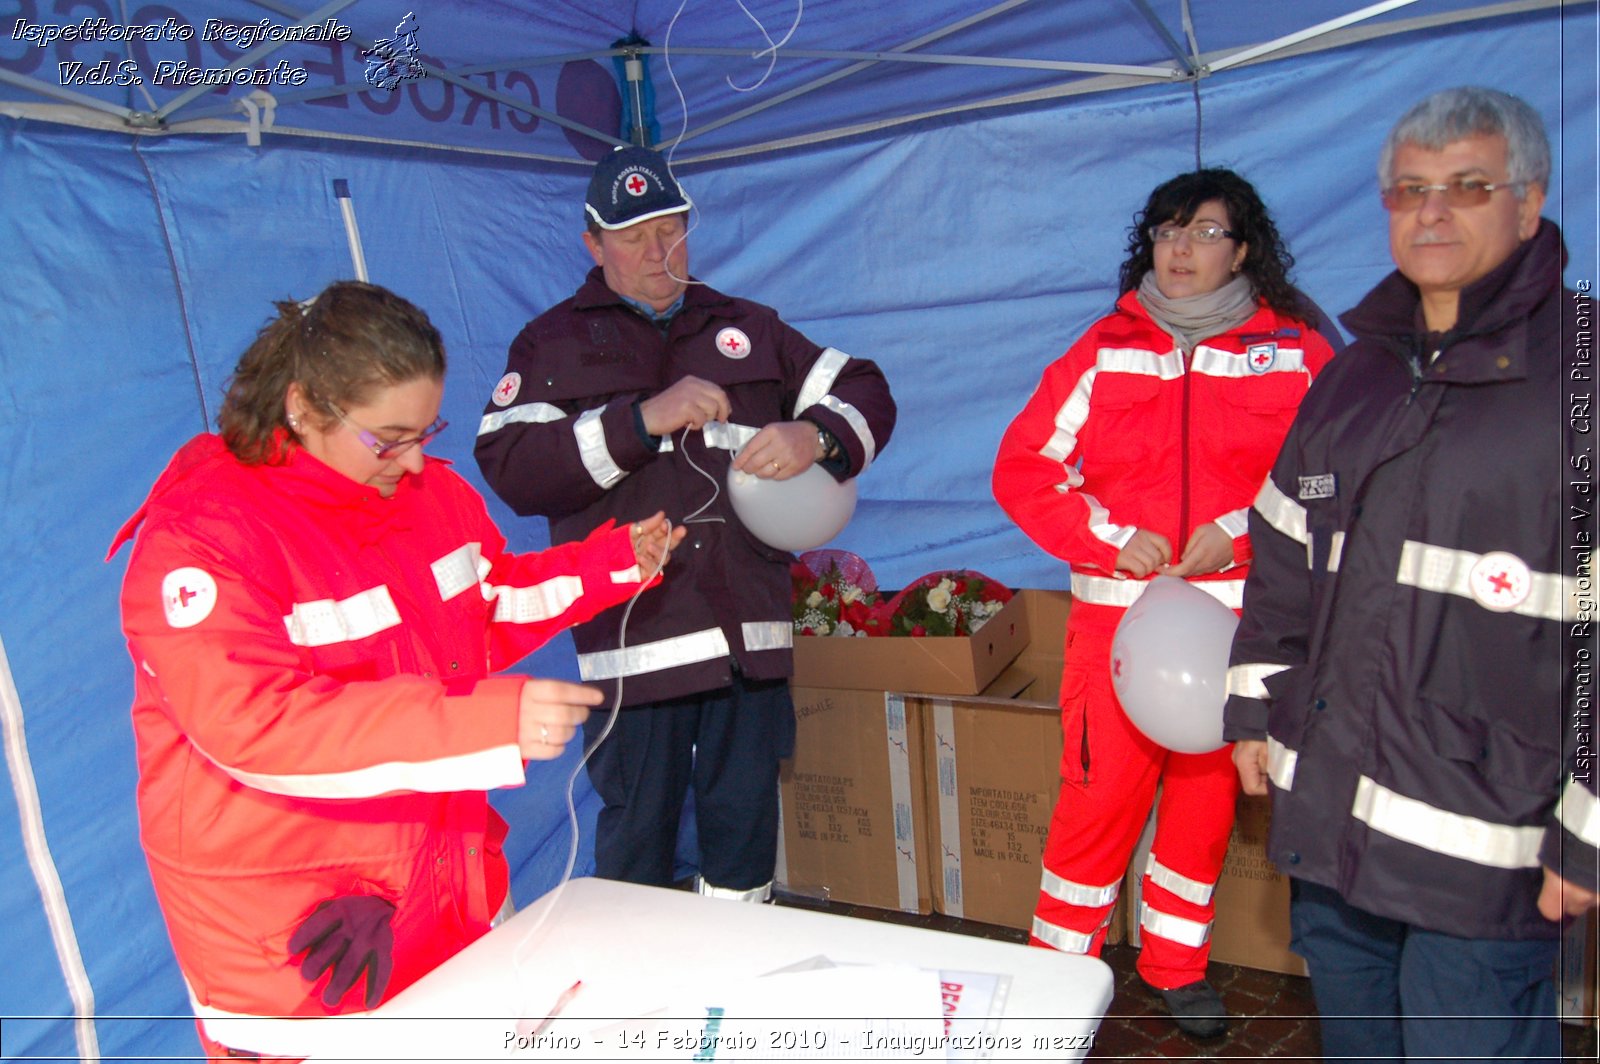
(314, 711)
(1123, 433)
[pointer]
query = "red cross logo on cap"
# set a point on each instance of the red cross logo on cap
(1500, 581)
(636, 185)
(733, 343)
(507, 389)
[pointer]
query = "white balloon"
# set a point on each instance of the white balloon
(800, 513)
(1169, 665)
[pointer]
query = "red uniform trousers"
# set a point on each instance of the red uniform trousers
(1110, 773)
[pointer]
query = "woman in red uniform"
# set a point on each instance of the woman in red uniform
(1140, 453)
(314, 608)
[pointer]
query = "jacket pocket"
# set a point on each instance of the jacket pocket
(1499, 754)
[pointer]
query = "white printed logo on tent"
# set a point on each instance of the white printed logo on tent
(188, 595)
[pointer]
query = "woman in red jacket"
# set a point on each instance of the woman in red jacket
(1140, 453)
(314, 608)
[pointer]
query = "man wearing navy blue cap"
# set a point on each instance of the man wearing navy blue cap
(643, 389)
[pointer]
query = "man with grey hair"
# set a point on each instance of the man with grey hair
(1405, 679)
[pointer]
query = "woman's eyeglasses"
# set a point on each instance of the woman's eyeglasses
(385, 450)
(1210, 233)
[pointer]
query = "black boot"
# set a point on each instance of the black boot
(1197, 1009)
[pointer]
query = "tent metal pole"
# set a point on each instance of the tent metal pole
(1308, 33)
(1166, 35)
(60, 92)
(937, 59)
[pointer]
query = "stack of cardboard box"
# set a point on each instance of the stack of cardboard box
(926, 772)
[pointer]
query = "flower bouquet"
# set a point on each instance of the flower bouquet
(835, 594)
(954, 602)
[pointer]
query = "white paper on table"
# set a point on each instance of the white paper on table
(854, 1011)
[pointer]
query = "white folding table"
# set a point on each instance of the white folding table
(638, 950)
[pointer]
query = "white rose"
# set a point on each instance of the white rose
(939, 597)
(814, 599)
(852, 594)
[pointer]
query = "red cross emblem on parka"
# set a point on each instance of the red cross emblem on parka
(1262, 358)
(1501, 581)
(505, 389)
(184, 595)
(636, 184)
(732, 344)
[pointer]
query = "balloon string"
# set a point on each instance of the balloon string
(517, 954)
(716, 488)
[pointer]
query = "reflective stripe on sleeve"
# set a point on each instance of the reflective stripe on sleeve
(499, 766)
(1281, 512)
(631, 575)
(767, 635)
(1085, 895)
(858, 425)
(1550, 596)
(1192, 933)
(1235, 523)
(653, 657)
(1249, 681)
(592, 449)
(1440, 831)
(1069, 418)
(326, 621)
(1109, 591)
(1281, 762)
(727, 436)
(1579, 812)
(543, 601)
(1101, 526)
(1190, 890)
(527, 413)
(819, 381)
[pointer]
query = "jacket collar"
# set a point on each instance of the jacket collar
(1505, 294)
(594, 294)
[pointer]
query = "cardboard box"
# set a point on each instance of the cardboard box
(968, 782)
(1251, 928)
(852, 802)
(947, 665)
(993, 770)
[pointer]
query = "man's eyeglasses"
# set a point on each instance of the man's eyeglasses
(1462, 192)
(385, 450)
(1209, 233)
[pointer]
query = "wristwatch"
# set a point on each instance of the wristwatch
(829, 445)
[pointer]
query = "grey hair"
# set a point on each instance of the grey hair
(1453, 114)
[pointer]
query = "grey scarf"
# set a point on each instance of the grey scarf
(1191, 319)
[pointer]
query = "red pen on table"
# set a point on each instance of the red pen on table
(561, 1002)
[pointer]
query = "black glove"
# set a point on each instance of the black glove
(352, 936)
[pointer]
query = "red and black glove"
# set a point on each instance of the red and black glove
(351, 936)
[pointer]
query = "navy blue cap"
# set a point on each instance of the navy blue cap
(632, 185)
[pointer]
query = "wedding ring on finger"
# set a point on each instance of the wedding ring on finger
(544, 733)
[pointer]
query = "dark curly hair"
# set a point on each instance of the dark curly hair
(340, 348)
(1267, 261)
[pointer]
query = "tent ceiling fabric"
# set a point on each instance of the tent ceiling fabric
(538, 80)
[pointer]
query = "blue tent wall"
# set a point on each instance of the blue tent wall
(962, 255)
